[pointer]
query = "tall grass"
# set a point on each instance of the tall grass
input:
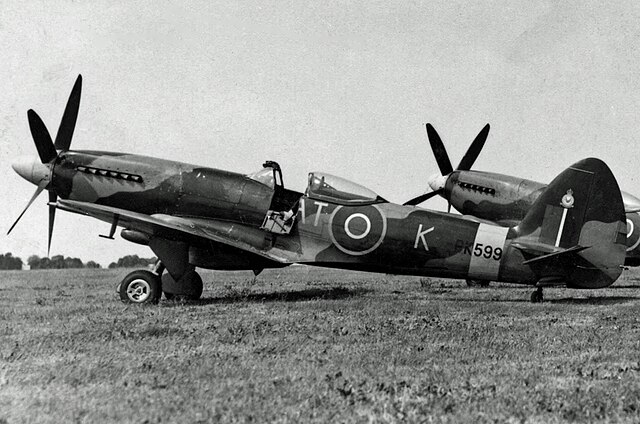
(316, 345)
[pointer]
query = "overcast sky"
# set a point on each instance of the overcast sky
(341, 87)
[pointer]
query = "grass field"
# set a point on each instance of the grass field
(316, 345)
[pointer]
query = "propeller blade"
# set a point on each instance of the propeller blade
(35, 195)
(474, 150)
(53, 197)
(68, 122)
(422, 198)
(41, 137)
(440, 153)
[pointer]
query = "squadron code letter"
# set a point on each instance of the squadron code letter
(420, 236)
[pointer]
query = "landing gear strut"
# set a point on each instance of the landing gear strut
(536, 296)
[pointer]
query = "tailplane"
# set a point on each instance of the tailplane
(576, 229)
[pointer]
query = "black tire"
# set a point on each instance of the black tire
(141, 287)
(196, 288)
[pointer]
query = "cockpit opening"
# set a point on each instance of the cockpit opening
(284, 203)
(324, 186)
(321, 186)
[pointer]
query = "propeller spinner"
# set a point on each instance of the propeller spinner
(437, 182)
(39, 170)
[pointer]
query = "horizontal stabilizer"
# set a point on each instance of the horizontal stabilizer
(551, 282)
(553, 255)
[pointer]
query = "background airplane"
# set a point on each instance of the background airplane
(499, 198)
(190, 216)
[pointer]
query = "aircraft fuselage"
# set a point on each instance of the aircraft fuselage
(149, 185)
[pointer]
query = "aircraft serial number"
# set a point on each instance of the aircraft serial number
(479, 249)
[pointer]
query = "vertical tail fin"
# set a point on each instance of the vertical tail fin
(581, 213)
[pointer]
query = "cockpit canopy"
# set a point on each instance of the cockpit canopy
(264, 176)
(324, 186)
(270, 175)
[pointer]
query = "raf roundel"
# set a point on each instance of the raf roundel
(633, 235)
(357, 233)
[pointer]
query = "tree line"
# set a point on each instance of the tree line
(58, 262)
(8, 261)
(133, 261)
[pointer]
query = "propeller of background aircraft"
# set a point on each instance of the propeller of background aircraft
(39, 171)
(437, 182)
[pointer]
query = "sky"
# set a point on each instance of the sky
(344, 87)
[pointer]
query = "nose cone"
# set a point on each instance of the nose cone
(631, 203)
(437, 181)
(31, 169)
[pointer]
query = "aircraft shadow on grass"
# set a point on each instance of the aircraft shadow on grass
(605, 300)
(329, 293)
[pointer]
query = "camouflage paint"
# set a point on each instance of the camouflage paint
(218, 214)
(505, 200)
(164, 186)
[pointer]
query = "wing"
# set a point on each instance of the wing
(241, 237)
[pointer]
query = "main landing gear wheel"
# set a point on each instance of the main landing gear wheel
(190, 287)
(140, 286)
(478, 283)
(536, 296)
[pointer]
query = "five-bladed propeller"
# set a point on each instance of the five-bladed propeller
(444, 163)
(40, 173)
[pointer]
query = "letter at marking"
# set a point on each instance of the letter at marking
(348, 231)
(420, 236)
(302, 211)
(320, 206)
(467, 248)
(459, 245)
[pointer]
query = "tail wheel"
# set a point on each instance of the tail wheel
(140, 286)
(477, 283)
(536, 296)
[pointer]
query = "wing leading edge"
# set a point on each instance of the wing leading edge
(178, 228)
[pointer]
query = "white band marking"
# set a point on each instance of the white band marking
(480, 266)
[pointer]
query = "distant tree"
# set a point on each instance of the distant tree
(56, 262)
(132, 261)
(8, 261)
(45, 263)
(73, 263)
(33, 261)
(92, 264)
